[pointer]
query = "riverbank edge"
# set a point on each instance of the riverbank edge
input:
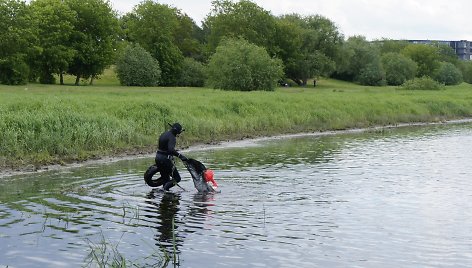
(132, 155)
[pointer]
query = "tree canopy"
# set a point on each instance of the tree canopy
(55, 22)
(308, 46)
(426, 56)
(17, 42)
(240, 65)
(243, 19)
(93, 37)
(49, 38)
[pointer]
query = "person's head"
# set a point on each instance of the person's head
(176, 128)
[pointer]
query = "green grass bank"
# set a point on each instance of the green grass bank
(46, 124)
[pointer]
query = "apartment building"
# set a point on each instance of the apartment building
(463, 48)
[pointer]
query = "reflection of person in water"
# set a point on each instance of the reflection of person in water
(201, 209)
(166, 212)
(162, 213)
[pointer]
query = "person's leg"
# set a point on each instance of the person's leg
(165, 167)
(175, 179)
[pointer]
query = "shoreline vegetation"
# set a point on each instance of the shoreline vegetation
(43, 126)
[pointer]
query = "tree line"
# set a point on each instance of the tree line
(238, 46)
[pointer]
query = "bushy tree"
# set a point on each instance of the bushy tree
(14, 70)
(372, 75)
(426, 56)
(466, 69)
(189, 37)
(398, 68)
(93, 38)
(240, 65)
(243, 19)
(55, 23)
(358, 55)
(308, 46)
(390, 46)
(448, 74)
(193, 74)
(154, 26)
(17, 42)
(447, 54)
(137, 67)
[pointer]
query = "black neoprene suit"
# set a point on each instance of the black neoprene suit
(165, 159)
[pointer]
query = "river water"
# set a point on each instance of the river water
(388, 198)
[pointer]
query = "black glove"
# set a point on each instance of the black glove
(183, 158)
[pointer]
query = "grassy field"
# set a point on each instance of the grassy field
(44, 124)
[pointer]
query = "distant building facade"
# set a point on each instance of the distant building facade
(463, 48)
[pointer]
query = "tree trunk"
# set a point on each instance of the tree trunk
(91, 80)
(298, 81)
(77, 80)
(61, 78)
(305, 82)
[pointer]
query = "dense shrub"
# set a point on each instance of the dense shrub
(448, 74)
(14, 71)
(47, 78)
(372, 75)
(398, 68)
(466, 69)
(136, 67)
(193, 74)
(240, 65)
(422, 83)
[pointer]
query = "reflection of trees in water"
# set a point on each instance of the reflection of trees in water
(297, 150)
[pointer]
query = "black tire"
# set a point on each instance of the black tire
(148, 177)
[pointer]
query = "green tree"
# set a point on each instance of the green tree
(390, 46)
(466, 69)
(398, 68)
(357, 55)
(243, 19)
(240, 65)
(308, 46)
(189, 37)
(93, 39)
(55, 22)
(372, 74)
(137, 67)
(447, 54)
(154, 26)
(448, 74)
(426, 56)
(193, 73)
(17, 42)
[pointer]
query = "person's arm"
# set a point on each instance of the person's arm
(171, 146)
(171, 150)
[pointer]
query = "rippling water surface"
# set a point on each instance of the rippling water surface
(396, 198)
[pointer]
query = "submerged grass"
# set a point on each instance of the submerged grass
(53, 124)
(105, 253)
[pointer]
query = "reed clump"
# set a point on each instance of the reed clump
(56, 124)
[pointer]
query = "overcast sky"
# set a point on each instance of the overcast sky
(374, 19)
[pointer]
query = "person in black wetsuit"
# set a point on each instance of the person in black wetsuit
(165, 156)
